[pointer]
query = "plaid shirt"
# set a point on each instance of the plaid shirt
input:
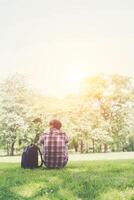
(55, 148)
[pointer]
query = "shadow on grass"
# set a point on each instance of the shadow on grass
(79, 180)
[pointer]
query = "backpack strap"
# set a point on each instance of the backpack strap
(42, 161)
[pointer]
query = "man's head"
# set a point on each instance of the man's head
(55, 124)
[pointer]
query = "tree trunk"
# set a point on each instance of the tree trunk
(7, 150)
(93, 145)
(87, 147)
(105, 148)
(12, 149)
(81, 146)
(100, 148)
(117, 147)
(76, 147)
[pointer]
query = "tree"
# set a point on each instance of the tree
(13, 111)
(113, 96)
(98, 119)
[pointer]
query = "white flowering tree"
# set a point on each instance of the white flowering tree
(98, 119)
(12, 111)
(23, 114)
(113, 98)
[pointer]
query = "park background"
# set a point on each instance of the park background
(73, 61)
(98, 119)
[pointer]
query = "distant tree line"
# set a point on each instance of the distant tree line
(99, 119)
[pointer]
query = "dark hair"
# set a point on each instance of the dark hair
(55, 123)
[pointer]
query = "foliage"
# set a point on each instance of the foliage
(12, 112)
(17, 114)
(99, 118)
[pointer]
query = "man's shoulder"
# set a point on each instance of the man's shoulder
(45, 134)
(64, 133)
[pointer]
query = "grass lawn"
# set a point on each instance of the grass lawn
(80, 180)
(81, 157)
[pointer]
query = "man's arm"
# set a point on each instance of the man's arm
(66, 138)
(42, 138)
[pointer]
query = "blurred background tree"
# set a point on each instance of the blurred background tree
(98, 119)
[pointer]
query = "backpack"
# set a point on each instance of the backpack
(29, 157)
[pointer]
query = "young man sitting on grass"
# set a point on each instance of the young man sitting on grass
(55, 146)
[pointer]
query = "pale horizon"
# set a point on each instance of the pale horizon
(58, 43)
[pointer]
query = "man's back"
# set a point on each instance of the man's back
(55, 149)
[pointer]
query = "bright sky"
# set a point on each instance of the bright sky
(58, 42)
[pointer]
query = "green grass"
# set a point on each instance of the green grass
(80, 180)
(81, 157)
